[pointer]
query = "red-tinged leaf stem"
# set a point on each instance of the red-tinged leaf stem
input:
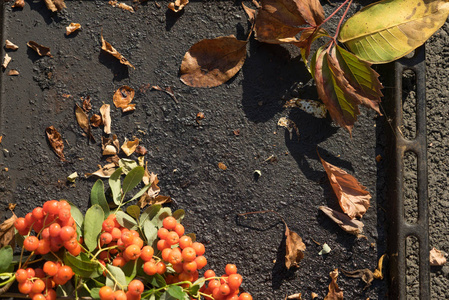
(335, 11)
(342, 18)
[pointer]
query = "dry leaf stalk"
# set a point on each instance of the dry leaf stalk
(335, 293)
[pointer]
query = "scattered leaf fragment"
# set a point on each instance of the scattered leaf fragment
(437, 257)
(326, 249)
(335, 293)
(7, 232)
(141, 150)
(104, 172)
(105, 111)
(105, 46)
(6, 61)
(1, 138)
(177, 5)
(353, 197)
(365, 274)
(10, 45)
(83, 121)
(55, 140)
(251, 13)
(258, 173)
(123, 97)
(199, 116)
(55, 5)
(41, 50)
(96, 120)
(289, 125)
(121, 5)
(212, 62)
(378, 274)
(222, 166)
(315, 108)
(109, 150)
(352, 226)
(72, 28)
(314, 295)
(294, 248)
(72, 177)
(294, 297)
(87, 105)
(13, 72)
(379, 158)
(167, 90)
(130, 146)
(236, 132)
(152, 196)
(18, 4)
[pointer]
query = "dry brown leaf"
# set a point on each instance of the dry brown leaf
(7, 232)
(130, 146)
(109, 150)
(104, 172)
(294, 248)
(365, 274)
(167, 90)
(115, 141)
(352, 226)
(353, 197)
(18, 4)
(10, 45)
(41, 50)
(335, 293)
(294, 296)
(95, 120)
(105, 46)
(55, 140)
(141, 150)
(113, 159)
(314, 295)
(222, 166)
(83, 121)
(251, 13)
(72, 28)
(152, 195)
(177, 5)
(6, 61)
(105, 111)
(13, 72)
(437, 257)
(289, 125)
(55, 5)
(87, 106)
(121, 5)
(123, 97)
(147, 200)
(212, 62)
(378, 272)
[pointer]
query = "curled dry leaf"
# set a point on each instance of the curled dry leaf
(96, 120)
(378, 274)
(83, 121)
(72, 28)
(130, 146)
(141, 150)
(294, 296)
(152, 196)
(87, 105)
(55, 5)
(18, 4)
(121, 5)
(289, 125)
(105, 46)
(13, 72)
(365, 274)
(212, 62)
(123, 97)
(353, 197)
(10, 45)
(109, 150)
(55, 140)
(437, 257)
(7, 232)
(104, 172)
(6, 60)
(352, 226)
(294, 248)
(314, 295)
(251, 13)
(315, 108)
(335, 293)
(41, 50)
(177, 5)
(105, 111)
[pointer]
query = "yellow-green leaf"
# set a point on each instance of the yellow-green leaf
(387, 30)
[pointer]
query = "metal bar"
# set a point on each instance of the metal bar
(399, 229)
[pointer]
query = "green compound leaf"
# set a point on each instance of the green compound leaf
(82, 266)
(118, 275)
(161, 214)
(95, 293)
(126, 220)
(387, 30)
(133, 178)
(173, 293)
(115, 185)
(150, 231)
(77, 216)
(179, 215)
(6, 255)
(97, 196)
(93, 226)
(133, 211)
(150, 212)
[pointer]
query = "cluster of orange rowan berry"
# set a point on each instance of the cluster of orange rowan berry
(225, 287)
(54, 228)
(135, 289)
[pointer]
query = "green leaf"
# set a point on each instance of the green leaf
(176, 292)
(314, 59)
(82, 266)
(192, 236)
(157, 281)
(115, 186)
(5, 258)
(387, 30)
(97, 196)
(126, 220)
(150, 212)
(95, 293)
(179, 215)
(308, 36)
(150, 231)
(133, 178)
(118, 275)
(133, 211)
(141, 192)
(93, 226)
(127, 165)
(130, 269)
(161, 214)
(77, 216)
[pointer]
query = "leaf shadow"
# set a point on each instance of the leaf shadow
(42, 9)
(171, 18)
(279, 272)
(119, 70)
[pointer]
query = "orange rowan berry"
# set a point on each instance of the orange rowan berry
(166, 254)
(25, 287)
(175, 256)
(63, 204)
(130, 296)
(147, 253)
(127, 238)
(116, 233)
(31, 243)
(45, 234)
(106, 293)
(50, 268)
(71, 244)
(245, 296)
(108, 225)
(172, 238)
(39, 273)
(65, 272)
(132, 252)
(188, 254)
(150, 267)
(30, 272)
(20, 224)
(119, 261)
(105, 238)
(76, 251)
(209, 274)
(201, 262)
(169, 223)
(179, 229)
(184, 276)
(51, 207)
(38, 297)
(43, 247)
(213, 284)
(162, 233)
(55, 229)
(38, 286)
(234, 281)
(137, 241)
(134, 233)
(162, 244)
(58, 279)
(51, 295)
(224, 289)
(119, 295)
(230, 269)
(67, 233)
(21, 275)
(232, 297)
(185, 241)
(64, 214)
(38, 213)
(179, 267)
(190, 267)
(199, 248)
(161, 268)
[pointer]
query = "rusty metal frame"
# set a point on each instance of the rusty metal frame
(399, 228)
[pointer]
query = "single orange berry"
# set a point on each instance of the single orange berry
(190, 267)
(162, 233)
(108, 225)
(169, 223)
(50, 268)
(161, 268)
(230, 269)
(188, 254)
(116, 233)
(65, 272)
(67, 233)
(105, 238)
(245, 296)
(38, 297)
(106, 293)
(44, 247)
(25, 287)
(162, 244)
(209, 274)
(172, 238)
(31, 243)
(21, 275)
(119, 261)
(55, 229)
(147, 253)
(38, 286)
(179, 229)
(201, 262)
(119, 295)
(132, 252)
(150, 267)
(51, 295)
(20, 224)
(185, 241)
(64, 214)
(199, 248)
(135, 287)
(234, 281)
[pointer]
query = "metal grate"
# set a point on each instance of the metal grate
(399, 228)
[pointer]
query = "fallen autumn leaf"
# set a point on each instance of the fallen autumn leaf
(10, 45)
(177, 5)
(55, 141)
(335, 293)
(123, 97)
(349, 225)
(6, 61)
(83, 122)
(41, 50)
(437, 257)
(7, 231)
(72, 28)
(105, 111)
(294, 248)
(105, 46)
(130, 146)
(55, 5)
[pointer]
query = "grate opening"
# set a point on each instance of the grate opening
(412, 270)
(408, 127)
(410, 187)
